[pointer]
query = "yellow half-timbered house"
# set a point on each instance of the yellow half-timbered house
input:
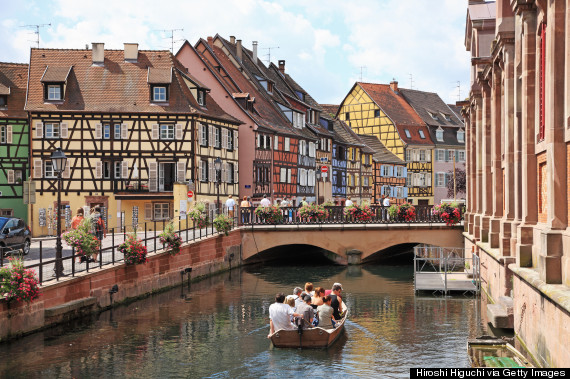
(380, 110)
(129, 123)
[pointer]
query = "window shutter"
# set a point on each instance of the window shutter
(236, 135)
(287, 143)
(405, 174)
(155, 132)
(98, 131)
(236, 173)
(391, 170)
(428, 155)
(210, 135)
(148, 211)
(64, 130)
(181, 171)
(9, 134)
(124, 131)
(212, 171)
(124, 169)
(200, 170)
(38, 168)
(428, 180)
(10, 176)
(392, 191)
(67, 172)
(152, 176)
(178, 128)
(98, 170)
(39, 130)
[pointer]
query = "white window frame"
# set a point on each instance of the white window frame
(167, 131)
(422, 155)
(117, 169)
(3, 134)
(217, 136)
(201, 97)
(440, 179)
(161, 208)
(422, 135)
(461, 133)
(52, 130)
(460, 155)
(287, 144)
(399, 171)
(283, 175)
(106, 170)
(52, 94)
(159, 93)
(117, 131)
(203, 135)
(107, 131)
(439, 135)
(407, 133)
(49, 172)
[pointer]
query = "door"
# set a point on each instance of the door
(166, 172)
(423, 202)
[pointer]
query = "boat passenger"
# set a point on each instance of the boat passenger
(336, 301)
(291, 302)
(325, 313)
(328, 292)
(280, 315)
(307, 311)
(318, 298)
(309, 289)
(297, 296)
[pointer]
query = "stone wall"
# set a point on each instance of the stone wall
(89, 292)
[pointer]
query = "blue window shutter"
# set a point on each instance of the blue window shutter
(405, 192)
(391, 170)
(392, 191)
(382, 171)
(405, 174)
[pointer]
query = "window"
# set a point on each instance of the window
(386, 191)
(159, 93)
(230, 140)
(446, 117)
(49, 172)
(400, 171)
(203, 135)
(433, 115)
(408, 155)
(3, 101)
(52, 130)
(439, 134)
(18, 176)
(365, 181)
(461, 136)
(161, 211)
(117, 171)
(461, 155)
(54, 92)
(217, 137)
(347, 116)
(422, 155)
(422, 135)
(167, 131)
(283, 175)
(3, 134)
(440, 155)
(377, 113)
(268, 142)
(203, 170)
(230, 173)
(385, 170)
(409, 180)
(106, 170)
(287, 143)
(400, 192)
(407, 133)
(117, 131)
(201, 98)
(440, 179)
(6, 212)
(106, 131)
(450, 155)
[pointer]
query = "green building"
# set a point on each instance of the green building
(14, 139)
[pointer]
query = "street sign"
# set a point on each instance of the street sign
(324, 159)
(324, 175)
(190, 194)
(324, 169)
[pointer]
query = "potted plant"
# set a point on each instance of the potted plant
(313, 213)
(170, 240)
(82, 240)
(133, 249)
(223, 223)
(361, 213)
(448, 212)
(18, 283)
(199, 215)
(271, 215)
(402, 212)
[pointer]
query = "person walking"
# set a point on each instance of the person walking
(386, 205)
(230, 204)
(244, 205)
(98, 227)
(78, 219)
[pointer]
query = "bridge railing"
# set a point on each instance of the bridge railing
(336, 215)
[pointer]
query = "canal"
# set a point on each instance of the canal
(219, 329)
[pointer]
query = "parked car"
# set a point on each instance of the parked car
(15, 236)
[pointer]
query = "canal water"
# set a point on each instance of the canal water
(218, 329)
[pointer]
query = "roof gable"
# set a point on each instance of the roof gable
(13, 83)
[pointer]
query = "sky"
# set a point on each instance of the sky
(327, 45)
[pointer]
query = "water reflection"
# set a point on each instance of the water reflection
(219, 328)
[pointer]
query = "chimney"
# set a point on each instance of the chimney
(254, 52)
(233, 40)
(394, 85)
(238, 49)
(210, 41)
(98, 53)
(282, 66)
(131, 52)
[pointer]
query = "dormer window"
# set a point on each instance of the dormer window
(201, 98)
(407, 133)
(300, 95)
(433, 115)
(439, 135)
(461, 135)
(3, 101)
(54, 80)
(54, 92)
(159, 93)
(446, 117)
(269, 87)
(422, 135)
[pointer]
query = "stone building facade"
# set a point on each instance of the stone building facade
(517, 140)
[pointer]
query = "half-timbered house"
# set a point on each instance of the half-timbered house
(130, 123)
(390, 172)
(14, 150)
(381, 110)
(338, 154)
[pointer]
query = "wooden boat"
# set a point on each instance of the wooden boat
(487, 351)
(313, 338)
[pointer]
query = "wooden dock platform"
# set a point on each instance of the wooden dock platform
(435, 281)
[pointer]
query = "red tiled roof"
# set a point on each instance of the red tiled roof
(55, 74)
(400, 112)
(159, 75)
(14, 78)
(330, 109)
(117, 86)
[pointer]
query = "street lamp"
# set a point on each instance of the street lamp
(218, 167)
(58, 161)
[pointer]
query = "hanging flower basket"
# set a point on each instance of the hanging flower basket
(404, 212)
(18, 284)
(313, 213)
(170, 240)
(223, 224)
(450, 213)
(199, 215)
(82, 240)
(361, 213)
(134, 250)
(270, 215)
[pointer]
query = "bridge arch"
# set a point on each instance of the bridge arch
(342, 239)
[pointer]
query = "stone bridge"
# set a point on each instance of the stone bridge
(346, 243)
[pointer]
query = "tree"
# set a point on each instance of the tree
(460, 180)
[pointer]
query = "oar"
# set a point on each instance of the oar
(300, 331)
